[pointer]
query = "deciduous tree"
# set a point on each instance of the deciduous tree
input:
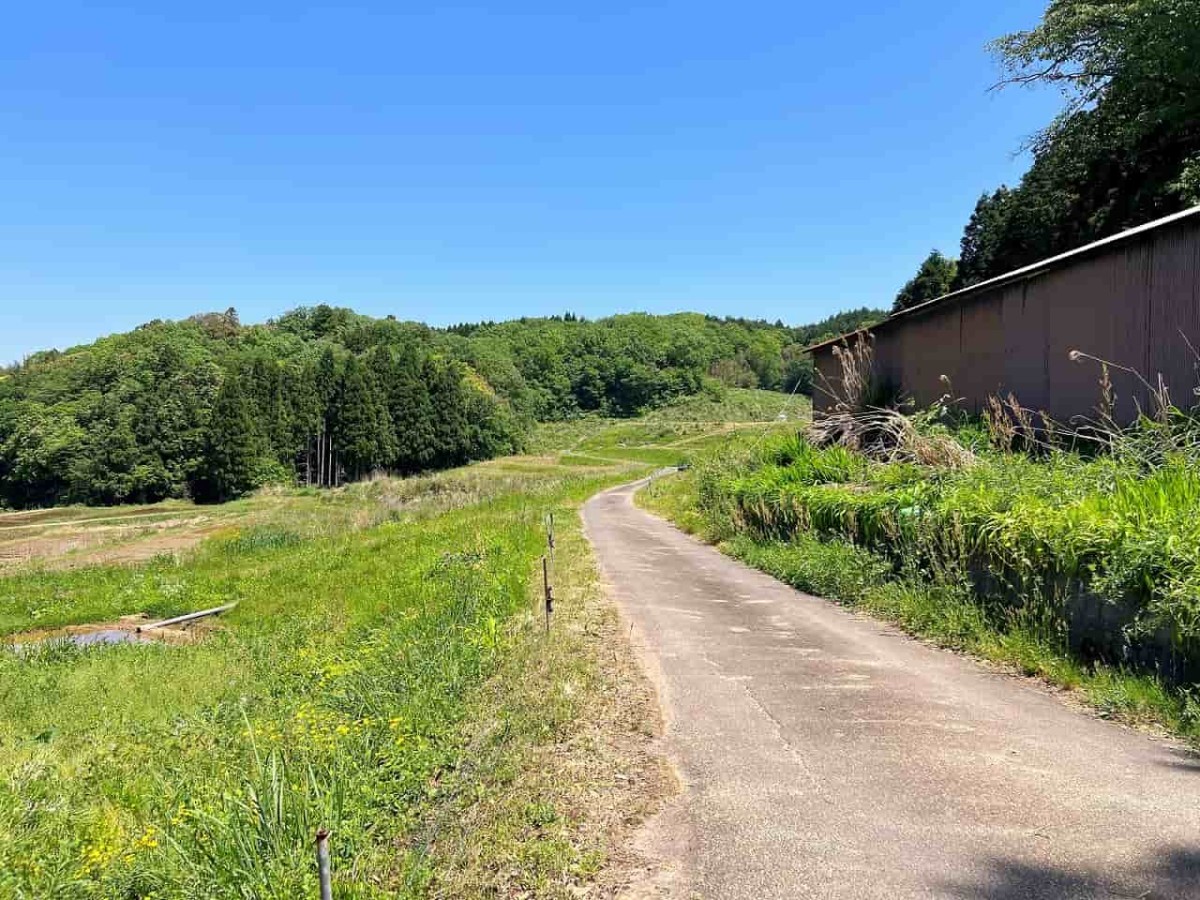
(933, 279)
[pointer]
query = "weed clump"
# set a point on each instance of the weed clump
(867, 415)
(1024, 530)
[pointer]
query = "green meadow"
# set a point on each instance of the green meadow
(385, 675)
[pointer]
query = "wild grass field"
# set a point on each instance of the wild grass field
(384, 675)
(670, 435)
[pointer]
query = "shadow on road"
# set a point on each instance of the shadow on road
(1185, 764)
(1172, 875)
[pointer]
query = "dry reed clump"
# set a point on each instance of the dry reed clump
(866, 415)
(1160, 430)
(1012, 427)
(888, 435)
(858, 375)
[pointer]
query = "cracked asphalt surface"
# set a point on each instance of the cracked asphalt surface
(824, 754)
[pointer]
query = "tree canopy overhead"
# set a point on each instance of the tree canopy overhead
(1125, 149)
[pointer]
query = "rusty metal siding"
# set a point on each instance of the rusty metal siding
(1098, 307)
(981, 352)
(933, 352)
(1132, 303)
(825, 372)
(1025, 373)
(1174, 315)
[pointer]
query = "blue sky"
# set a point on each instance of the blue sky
(777, 160)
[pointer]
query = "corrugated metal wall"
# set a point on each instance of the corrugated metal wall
(1135, 302)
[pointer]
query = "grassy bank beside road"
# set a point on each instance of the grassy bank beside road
(987, 558)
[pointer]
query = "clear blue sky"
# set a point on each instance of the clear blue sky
(780, 160)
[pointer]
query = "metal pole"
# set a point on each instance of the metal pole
(188, 617)
(323, 865)
(549, 592)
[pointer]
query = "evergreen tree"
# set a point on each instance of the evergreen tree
(327, 377)
(305, 414)
(264, 390)
(326, 380)
(451, 435)
(412, 413)
(983, 238)
(232, 447)
(361, 426)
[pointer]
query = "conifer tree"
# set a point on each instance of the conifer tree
(412, 414)
(934, 279)
(304, 417)
(362, 429)
(264, 391)
(326, 382)
(449, 405)
(231, 448)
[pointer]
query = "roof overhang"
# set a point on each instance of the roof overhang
(1029, 271)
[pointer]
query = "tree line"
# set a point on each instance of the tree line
(210, 408)
(1124, 151)
(339, 417)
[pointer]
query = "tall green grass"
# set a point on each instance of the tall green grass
(1122, 532)
(683, 424)
(332, 695)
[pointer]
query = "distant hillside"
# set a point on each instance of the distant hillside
(210, 408)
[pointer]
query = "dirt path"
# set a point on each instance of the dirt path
(826, 755)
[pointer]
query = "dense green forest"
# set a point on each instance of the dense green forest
(1124, 151)
(210, 408)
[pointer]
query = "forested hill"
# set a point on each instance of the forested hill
(210, 408)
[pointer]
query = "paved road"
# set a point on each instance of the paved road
(826, 755)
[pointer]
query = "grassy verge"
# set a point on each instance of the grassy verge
(386, 679)
(559, 762)
(669, 435)
(385, 675)
(942, 610)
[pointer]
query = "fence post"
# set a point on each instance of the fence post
(549, 589)
(323, 873)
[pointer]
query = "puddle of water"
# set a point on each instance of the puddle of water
(108, 636)
(103, 637)
(123, 631)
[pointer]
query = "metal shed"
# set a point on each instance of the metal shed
(1132, 299)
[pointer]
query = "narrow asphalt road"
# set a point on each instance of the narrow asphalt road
(825, 754)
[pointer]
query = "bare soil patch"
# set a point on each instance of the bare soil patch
(92, 541)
